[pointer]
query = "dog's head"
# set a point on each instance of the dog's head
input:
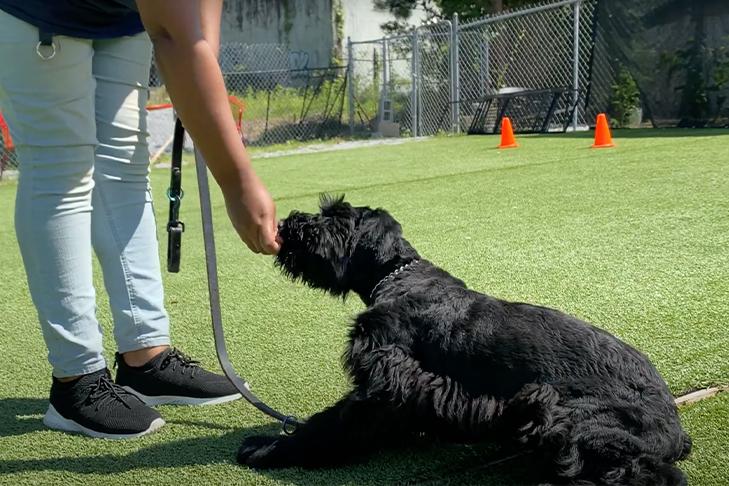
(343, 248)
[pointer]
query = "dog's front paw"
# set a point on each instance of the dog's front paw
(262, 452)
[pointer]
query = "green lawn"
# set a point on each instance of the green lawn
(634, 239)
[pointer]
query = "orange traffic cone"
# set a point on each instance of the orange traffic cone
(507, 135)
(603, 139)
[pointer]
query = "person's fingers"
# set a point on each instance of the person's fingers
(251, 242)
(267, 239)
(269, 245)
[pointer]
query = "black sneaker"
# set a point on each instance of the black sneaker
(95, 406)
(171, 378)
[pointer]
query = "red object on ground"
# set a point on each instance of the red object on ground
(507, 134)
(603, 138)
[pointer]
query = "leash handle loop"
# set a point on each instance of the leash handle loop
(175, 227)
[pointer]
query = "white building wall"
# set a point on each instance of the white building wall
(362, 21)
(305, 27)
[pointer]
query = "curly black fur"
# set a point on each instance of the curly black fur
(430, 356)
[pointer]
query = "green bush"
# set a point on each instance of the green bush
(625, 97)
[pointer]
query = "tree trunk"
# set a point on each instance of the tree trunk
(498, 5)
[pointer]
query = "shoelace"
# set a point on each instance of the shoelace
(177, 358)
(105, 388)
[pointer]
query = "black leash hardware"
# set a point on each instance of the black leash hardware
(289, 423)
(175, 227)
(45, 48)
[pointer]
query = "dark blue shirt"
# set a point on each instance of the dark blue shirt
(88, 19)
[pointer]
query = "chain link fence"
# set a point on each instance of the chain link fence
(401, 85)
(380, 86)
(528, 63)
(603, 69)
(433, 80)
(283, 99)
(524, 51)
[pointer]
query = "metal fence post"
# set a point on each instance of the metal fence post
(415, 75)
(455, 76)
(484, 73)
(576, 63)
(385, 80)
(350, 85)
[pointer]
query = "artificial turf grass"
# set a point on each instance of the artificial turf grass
(634, 239)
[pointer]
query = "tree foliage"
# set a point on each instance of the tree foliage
(442, 9)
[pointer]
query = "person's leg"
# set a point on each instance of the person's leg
(125, 240)
(49, 107)
(123, 222)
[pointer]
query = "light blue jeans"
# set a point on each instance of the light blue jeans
(79, 123)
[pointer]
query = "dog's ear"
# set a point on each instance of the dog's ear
(334, 205)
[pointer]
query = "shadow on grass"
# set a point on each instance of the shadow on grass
(20, 416)
(424, 464)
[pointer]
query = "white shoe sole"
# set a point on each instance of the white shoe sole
(54, 420)
(175, 400)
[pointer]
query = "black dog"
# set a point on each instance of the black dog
(430, 356)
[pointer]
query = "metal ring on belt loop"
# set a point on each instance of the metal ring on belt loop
(40, 53)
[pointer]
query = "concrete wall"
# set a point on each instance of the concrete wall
(304, 26)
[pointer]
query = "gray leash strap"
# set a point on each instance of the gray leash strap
(288, 422)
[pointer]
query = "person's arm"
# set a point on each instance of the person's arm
(211, 12)
(183, 37)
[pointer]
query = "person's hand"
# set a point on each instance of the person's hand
(186, 55)
(253, 214)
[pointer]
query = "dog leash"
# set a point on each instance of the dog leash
(289, 423)
(175, 227)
